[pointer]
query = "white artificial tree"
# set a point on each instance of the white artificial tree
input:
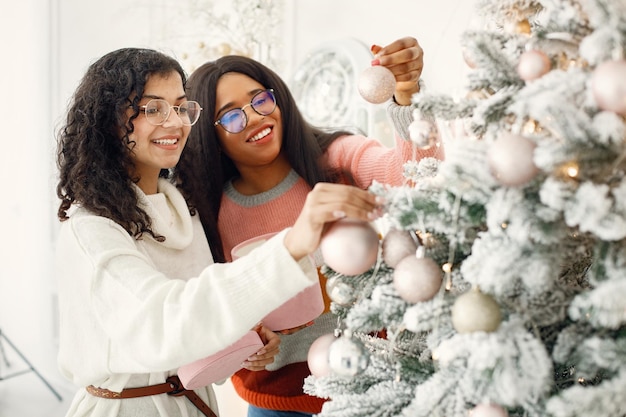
(526, 222)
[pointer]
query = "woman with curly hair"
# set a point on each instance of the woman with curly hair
(139, 295)
(249, 165)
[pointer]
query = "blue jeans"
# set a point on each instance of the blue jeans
(264, 412)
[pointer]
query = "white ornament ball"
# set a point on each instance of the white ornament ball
(476, 311)
(340, 292)
(397, 245)
(510, 159)
(350, 247)
(423, 134)
(488, 410)
(417, 279)
(533, 64)
(377, 84)
(347, 357)
(608, 84)
(317, 358)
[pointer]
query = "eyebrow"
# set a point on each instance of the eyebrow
(251, 93)
(152, 96)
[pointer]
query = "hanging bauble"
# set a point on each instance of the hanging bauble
(417, 278)
(608, 85)
(423, 134)
(340, 292)
(377, 84)
(317, 358)
(488, 410)
(475, 311)
(397, 245)
(347, 357)
(510, 159)
(533, 64)
(350, 247)
(467, 57)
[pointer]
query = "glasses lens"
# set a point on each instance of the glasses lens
(234, 121)
(264, 102)
(189, 112)
(157, 111)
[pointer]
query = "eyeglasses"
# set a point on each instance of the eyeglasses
(157, 111)
(235, 120)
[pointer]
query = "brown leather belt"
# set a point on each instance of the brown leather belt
(172, 386)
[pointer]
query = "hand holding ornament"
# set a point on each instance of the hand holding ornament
(405, 59)
(327, 203)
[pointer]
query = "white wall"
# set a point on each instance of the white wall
(25, 164)
(47, 46)
(436, 25)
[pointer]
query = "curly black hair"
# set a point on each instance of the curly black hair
(94, 149)
(203, 169)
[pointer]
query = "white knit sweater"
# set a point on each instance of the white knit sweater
(133, 311)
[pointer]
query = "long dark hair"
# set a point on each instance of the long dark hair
(94, 149)
(203, 169)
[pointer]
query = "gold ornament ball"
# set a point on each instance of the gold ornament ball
(476, 311)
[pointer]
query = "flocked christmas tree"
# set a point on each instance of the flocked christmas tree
(500, 287)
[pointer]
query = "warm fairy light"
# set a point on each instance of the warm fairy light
(504, 225)
(581, 380)
(571, 170)
(531, 126)
(447, 267)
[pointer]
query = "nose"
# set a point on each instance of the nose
(173, 119)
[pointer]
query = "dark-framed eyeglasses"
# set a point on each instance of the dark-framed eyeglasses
(235, 120)
(157, 111)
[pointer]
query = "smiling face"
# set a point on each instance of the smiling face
(259, 144)
(158, 147)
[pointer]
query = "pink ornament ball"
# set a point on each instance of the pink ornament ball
(488, 410)
(608, 85)
(510, 159)
(350, 247)
(317, 358)
(533, 64)
(377, 84)
(417, 279)
(397, 245)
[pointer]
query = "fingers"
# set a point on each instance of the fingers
(405, 58)
(266, 354)
(324, 204)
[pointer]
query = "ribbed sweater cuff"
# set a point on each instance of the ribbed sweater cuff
(304, 403)
(401, 117)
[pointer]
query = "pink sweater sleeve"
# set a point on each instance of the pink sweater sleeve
(366, 159)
